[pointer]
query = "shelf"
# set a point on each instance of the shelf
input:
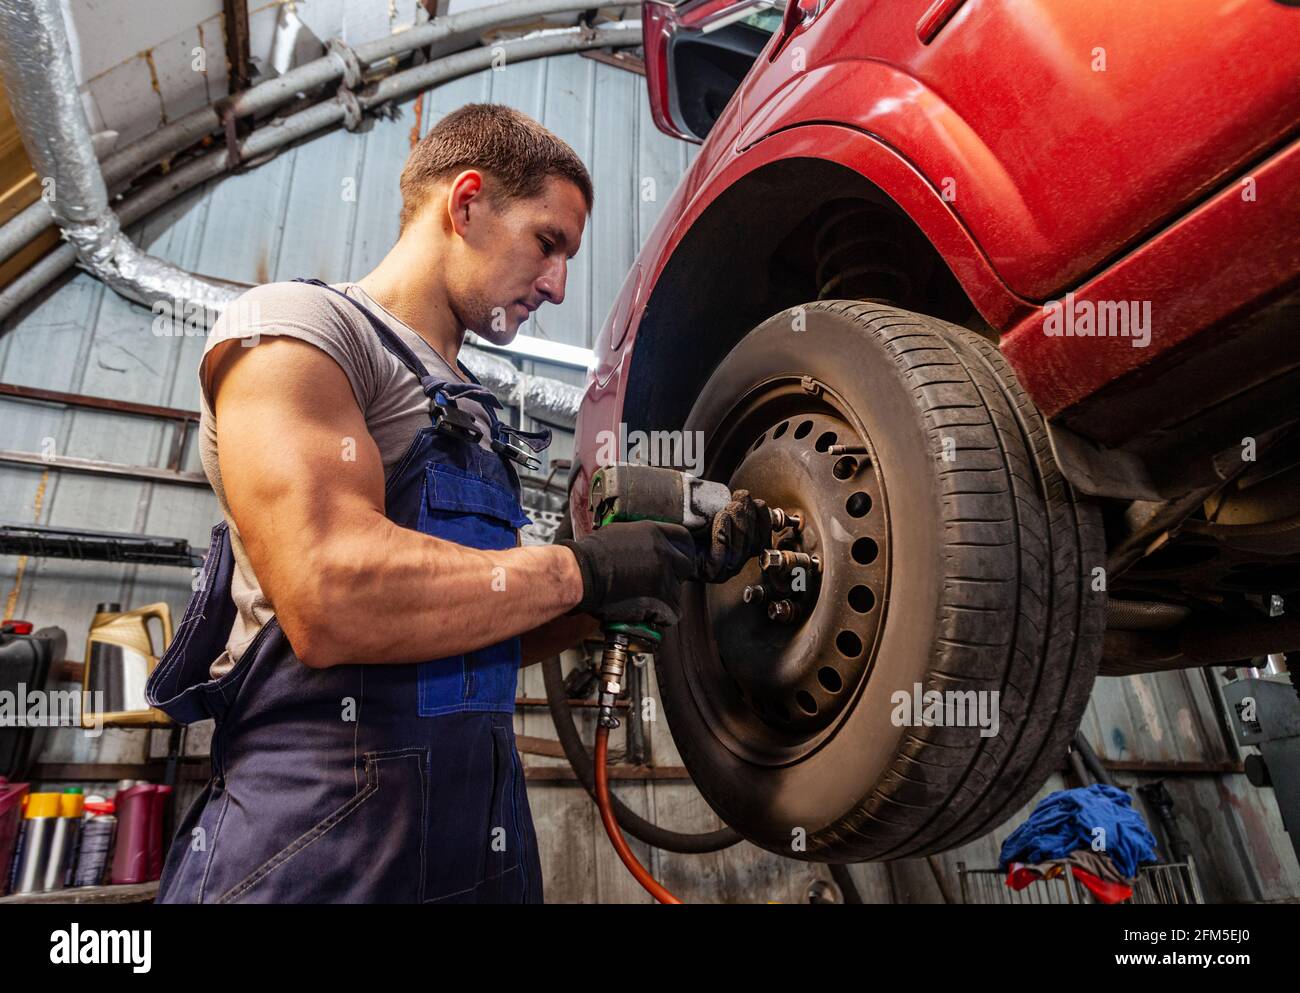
(125, 893)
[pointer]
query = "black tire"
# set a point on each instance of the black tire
(983, 583)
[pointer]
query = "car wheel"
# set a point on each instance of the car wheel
(945, 553)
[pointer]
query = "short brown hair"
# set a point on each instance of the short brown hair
(518, 152)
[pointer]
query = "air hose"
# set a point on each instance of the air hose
(635, 825)
(571, 741)
(603, 798)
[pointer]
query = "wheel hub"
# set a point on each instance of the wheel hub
(796, 639)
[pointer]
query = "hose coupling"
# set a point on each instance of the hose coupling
(613, 664)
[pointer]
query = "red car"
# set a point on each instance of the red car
(1001, 298)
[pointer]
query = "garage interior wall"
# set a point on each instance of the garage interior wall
(296, 215)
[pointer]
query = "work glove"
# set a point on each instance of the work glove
(640, 610)
(633, 571)
(739, 532)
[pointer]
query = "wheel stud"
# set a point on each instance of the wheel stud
(782, 519)
(781, 611)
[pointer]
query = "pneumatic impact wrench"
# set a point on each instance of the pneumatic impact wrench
(638, 493)
(650, 493)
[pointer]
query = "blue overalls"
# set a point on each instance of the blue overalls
(366, 782)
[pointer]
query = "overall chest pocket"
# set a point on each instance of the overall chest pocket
(465, 508)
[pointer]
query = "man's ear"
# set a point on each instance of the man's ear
(466, 189)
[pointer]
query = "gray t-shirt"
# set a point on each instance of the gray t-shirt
(390, 398)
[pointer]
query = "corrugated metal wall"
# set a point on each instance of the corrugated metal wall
(293, 216)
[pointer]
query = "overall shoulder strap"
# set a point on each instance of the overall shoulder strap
(441, 391)
(387, 336)
(438, 390)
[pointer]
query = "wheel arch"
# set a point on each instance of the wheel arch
(742, 251)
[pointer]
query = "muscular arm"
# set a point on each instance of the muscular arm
(347, 584)
(553, 638)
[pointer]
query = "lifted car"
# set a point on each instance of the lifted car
(1002, 298)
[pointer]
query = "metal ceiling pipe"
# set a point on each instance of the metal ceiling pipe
(328, 113)
(160, 145)
(36, 63)
(543, 398)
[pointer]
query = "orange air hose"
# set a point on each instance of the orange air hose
(612, 829)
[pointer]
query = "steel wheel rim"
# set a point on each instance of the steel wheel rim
(774, 693)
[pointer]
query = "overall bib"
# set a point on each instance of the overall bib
(366, 782)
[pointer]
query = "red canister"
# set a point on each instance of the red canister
(135, 815)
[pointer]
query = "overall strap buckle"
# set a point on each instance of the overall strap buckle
(519, 446)
(516, 453)
(448, 418)
(451, 421)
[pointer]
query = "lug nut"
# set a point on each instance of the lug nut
(778, 560)
(754, 594)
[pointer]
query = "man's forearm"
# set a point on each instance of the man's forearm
(560, 634)
(380, 593)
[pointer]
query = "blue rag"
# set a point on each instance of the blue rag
(1065, 822)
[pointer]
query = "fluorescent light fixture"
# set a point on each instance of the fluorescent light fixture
(531, 347)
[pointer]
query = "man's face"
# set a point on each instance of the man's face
(513, 256)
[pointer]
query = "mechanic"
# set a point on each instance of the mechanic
(370, 511)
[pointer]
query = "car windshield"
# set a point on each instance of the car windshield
(766, 17)
(766, 21)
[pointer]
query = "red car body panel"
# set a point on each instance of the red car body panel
(1224, 255)
(850, 148)
(1055, 166)
(1029, 172)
